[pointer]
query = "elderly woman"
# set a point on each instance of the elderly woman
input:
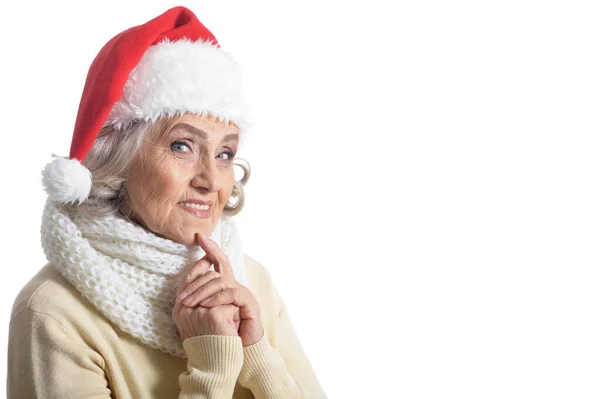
(147, 293)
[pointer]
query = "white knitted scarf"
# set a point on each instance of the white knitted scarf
(128, 273)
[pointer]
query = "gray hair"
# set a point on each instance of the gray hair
(110, 160)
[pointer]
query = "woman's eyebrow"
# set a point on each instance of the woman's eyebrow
(191, 129)
(202, 133)
(231, 136)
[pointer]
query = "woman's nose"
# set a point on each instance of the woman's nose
(207, 176)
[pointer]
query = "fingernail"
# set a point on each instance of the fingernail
(206, 301)
(207, 240)
(187, 301)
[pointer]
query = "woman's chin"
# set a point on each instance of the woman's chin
(189, 236)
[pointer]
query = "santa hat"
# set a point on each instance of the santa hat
(168, 66)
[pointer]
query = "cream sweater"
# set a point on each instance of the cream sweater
(60, 346)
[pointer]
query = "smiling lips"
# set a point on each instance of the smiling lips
(198, 208)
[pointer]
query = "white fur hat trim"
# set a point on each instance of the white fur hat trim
(182, 76)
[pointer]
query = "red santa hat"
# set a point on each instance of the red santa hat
(170, 65)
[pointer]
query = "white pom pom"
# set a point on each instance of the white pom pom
(67, 180)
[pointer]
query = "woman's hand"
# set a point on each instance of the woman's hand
(214, 289)
(220, 320)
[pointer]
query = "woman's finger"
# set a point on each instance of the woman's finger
(219, 259)
(199, 268)
(197, 284)
(231, 295)
(239, 296)
(208, 289)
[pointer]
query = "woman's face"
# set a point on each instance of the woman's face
(188, 162)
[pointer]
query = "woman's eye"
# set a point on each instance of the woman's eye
(229, 155)
(180, 146)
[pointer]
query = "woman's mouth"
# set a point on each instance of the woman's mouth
(201, 211)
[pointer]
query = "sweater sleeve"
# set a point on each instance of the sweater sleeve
(45, 361)
(214, 363)
(282, 370)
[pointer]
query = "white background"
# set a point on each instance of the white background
(424, 184)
